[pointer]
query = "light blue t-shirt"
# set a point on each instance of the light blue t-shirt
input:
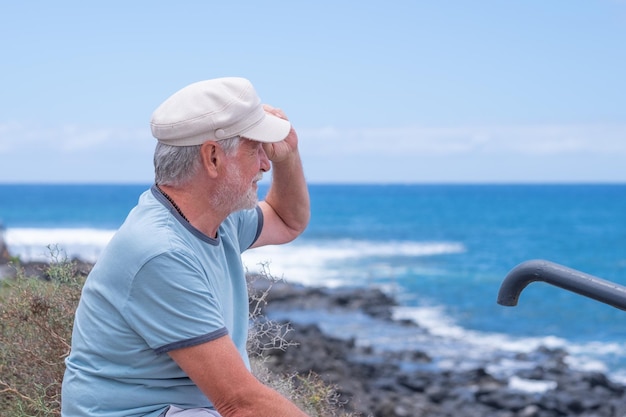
(159, 285)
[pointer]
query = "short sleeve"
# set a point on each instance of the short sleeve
(172, 305)
(248, 224)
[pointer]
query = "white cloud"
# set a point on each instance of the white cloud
(71, 138)
(531, 140)
(463, 153)
(6, 133)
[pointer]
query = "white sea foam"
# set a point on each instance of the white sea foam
(475, 345)
(450, 346)
(31, 244)
(338, 262)
(530, 385)
(438, 323)
(312, 262)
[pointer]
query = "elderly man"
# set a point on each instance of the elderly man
(162, 323)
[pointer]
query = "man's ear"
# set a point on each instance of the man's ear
(212, 157)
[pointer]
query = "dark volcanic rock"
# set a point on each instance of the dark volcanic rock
(374, 383)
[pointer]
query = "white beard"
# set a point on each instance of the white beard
(228, 194)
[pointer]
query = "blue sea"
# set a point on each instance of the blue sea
(441, 250)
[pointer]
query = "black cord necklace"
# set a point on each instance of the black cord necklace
(173, 203)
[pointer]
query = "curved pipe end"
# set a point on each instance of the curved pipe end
(560, 276)
(517, 279)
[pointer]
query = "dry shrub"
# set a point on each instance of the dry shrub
(309, 392)
(36, 317)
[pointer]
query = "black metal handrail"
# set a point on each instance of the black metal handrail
(560, 276)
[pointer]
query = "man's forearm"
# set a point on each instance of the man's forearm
(288, 194)
(264, 402)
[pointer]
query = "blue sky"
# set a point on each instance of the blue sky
(379, 91)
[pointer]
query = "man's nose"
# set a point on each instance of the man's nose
(265, 161)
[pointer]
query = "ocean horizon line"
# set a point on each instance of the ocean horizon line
(339, 183)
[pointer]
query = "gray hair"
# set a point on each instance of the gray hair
(176, 165)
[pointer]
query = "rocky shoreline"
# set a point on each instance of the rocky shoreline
(407, 382)
(378, 383)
